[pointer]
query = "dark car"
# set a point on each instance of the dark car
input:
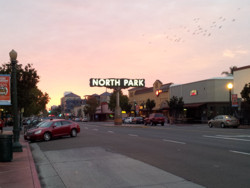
(49, 129)
(138, 120)
(154, 119)
(224, 121)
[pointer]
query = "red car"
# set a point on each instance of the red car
(49, 129)
(154, 119)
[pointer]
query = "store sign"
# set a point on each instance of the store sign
(193, 93)
(116, 82)
(157, 92)
(5, 90)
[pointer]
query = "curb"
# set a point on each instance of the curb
(35, 178)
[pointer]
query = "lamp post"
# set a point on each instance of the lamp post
(17, 147)
(230, 86)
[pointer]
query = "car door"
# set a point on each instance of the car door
(217, 121)
(57, 128)
(66, 127)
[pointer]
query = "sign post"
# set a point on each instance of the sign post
(117, 84)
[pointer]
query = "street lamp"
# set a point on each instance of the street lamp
(17, 147)
(230, 86)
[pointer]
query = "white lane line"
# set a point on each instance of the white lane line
(132, 135)
(173, 141)
(244, 153)
(111, 132)
(95, 129)
(227, 138)
(86, 128)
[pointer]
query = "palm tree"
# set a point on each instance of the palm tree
(231, 71)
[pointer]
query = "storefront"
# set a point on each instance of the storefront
(159, 93)
(203, 99)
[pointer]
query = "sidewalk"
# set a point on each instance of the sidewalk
(21, 171)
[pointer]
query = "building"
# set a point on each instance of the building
(204, 99)
(68, 102)
(241, 78)
(159, 93)
(78, 111)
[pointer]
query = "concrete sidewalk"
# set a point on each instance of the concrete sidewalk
(21, 171)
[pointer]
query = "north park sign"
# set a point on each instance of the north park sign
(116, 82)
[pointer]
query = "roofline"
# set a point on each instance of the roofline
(242, 68)
(215, 78)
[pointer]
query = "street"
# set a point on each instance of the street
(210, 157)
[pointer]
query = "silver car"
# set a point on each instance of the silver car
(224, 121)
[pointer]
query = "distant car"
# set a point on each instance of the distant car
(84, 119)
(77, 119)
(128, 120)
(224, 121)
(48, 129)
(154, 119)
(138, 120)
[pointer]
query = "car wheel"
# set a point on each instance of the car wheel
(210, 125)
(73, 133)
(162, 124)
(47, 136)
(222, 125)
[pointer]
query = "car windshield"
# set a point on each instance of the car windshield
(158, 115)
(45, 124)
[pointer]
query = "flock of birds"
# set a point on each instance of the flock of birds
(198, 27)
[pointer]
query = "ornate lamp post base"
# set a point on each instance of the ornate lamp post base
(118, 116)
(17, 147)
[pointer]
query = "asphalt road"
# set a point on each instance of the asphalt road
(212, 157)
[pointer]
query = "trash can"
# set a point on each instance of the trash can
(6, 152)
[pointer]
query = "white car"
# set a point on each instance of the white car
(128, 120)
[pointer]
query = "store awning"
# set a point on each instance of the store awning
(193, 105)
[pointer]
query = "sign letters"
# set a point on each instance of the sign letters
(116, 82)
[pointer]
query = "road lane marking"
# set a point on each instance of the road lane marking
(132, 135)
(244, 153)
(111, 132)
(226, 138)
(86, 128)
(173, 141)
(95, 129)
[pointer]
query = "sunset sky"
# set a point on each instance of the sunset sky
(70, 41)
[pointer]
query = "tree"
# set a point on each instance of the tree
(124, 101)
(90, 107)
(245, 93)
(150, 104)
(231, 71)
(175, 106)
(29, 97)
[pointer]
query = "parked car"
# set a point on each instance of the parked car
(224, 121)
(154, 119)
(84, 119)
(49, 129)
(77, 119)
(138, 120)
(128, 120)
